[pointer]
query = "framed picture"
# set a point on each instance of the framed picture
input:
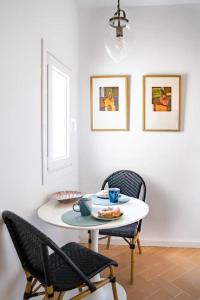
(161, 102)
(109, 102)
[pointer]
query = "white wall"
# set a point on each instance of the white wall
(165, 40)
(22, 25)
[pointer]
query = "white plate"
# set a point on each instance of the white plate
(103, 197)
(96, 216)
(100, 196)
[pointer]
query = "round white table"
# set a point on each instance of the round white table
(134, 210)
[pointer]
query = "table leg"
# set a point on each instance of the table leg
(95, 242)
(95, 247)
(105, 292)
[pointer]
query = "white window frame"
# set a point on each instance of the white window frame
(53, 174)
(62, 162)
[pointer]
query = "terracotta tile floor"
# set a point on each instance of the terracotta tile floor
(160, 273)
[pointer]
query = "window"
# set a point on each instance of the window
(58, 115)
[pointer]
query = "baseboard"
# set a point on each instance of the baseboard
(178, 244)
(182, 244)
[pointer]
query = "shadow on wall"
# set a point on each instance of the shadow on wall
(162, 212)
(12, 276)
(2, 249)
(59, 235)
(184, 79)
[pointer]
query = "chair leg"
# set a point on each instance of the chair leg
(114, 289)
(28, 288)
(49, 293)
(61, 295)
(46, 297)
(50, 297)
(132, 266)
(139, 246)
(108, 242)
(89, 239)
(113, 283)
(56, 296)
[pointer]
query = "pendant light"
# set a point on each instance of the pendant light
(116, 37)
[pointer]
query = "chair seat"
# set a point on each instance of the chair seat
(90, 263)
(127, 231)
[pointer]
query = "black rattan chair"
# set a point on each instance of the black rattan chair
(132, 185)
(66, 268)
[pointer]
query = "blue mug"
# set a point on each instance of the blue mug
(113, 194)
(84, 206)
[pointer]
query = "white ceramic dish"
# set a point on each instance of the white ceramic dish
(65, 196)
(96, 216)
(99, 195)
(103, 197)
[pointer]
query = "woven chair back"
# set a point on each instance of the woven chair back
(129, 183)
(30, 244)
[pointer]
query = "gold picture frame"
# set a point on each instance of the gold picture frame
(109, 102)
(162, 103)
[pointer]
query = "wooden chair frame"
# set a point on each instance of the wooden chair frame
(135, 240)
(33, 287)
(132, 242)
(39, 277)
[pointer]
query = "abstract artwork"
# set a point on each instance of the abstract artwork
(108, 98)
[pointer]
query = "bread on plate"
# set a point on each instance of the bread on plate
(110, 212)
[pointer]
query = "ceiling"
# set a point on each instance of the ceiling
(111, 3)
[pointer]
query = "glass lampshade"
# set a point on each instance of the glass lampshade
(117, 47)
